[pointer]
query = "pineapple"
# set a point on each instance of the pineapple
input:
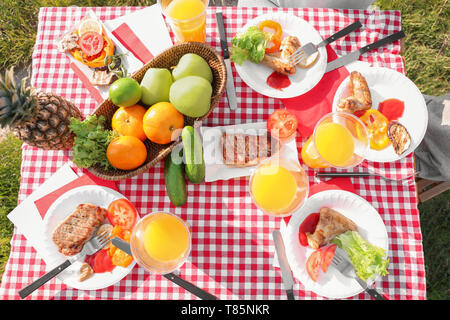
(38, 118)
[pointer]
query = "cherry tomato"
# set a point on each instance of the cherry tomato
(121, 212)
(308, 225)
(313, 264)
(327, 256)
(282, 124)
(91, 43)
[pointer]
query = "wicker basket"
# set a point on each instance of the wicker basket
(167, 59)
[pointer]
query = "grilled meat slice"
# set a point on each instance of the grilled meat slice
(360, 97)
(278, 61)
(331, 223)
(243, 150)
(71, 235)
(399, 136)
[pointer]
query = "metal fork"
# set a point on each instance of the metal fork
(308, 49)
(91, 247)
(345, 267)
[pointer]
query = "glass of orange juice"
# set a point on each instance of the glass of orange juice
(187, 18)
(340, 140)
(161, 242)
(279, 186)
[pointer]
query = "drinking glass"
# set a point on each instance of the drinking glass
(187, 18)
(172, 234)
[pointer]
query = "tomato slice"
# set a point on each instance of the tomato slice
(308, 225)
(327, 256)
(121, 212)
(313, 265)
(282, 123)
(91, 43)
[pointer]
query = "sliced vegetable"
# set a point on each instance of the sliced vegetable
(249, 45)
(308, 225)
(377, 125)
(282, 123)
(121, 212)
(276, 32)
(327, 256)
(119, 257)
(313, 265)
(368, 260)
(91, 43)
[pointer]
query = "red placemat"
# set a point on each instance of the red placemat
(232, 247)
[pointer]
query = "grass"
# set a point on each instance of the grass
(426, 23)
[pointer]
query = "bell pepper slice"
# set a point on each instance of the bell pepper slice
(275, 42)
(377, 125)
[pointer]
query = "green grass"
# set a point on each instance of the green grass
(426, 24)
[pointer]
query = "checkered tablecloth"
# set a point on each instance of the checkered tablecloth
(232, 250)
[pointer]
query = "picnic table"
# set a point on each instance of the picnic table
(232, 252)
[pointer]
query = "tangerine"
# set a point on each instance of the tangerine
(163, 123)
(127, 121)
(126, 152)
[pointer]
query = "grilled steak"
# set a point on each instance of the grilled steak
(243, 150)
(71, 235)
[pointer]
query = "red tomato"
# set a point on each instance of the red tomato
(308, 225)
(91, 43)
(282, 123)
(327, 256)
(313, 264)
(121, 212)
(392, 108)
(100, 261)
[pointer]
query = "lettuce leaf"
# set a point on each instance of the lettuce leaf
(249, 45)
(367, 259)
(91, 141)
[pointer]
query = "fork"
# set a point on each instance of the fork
(308, 49)
(91, 247)
(344, 267)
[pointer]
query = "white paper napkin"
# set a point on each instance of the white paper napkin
(215, 169)
(26, 216)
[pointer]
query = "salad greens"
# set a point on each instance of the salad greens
(250, 45)
(91, 141)
(367, 259)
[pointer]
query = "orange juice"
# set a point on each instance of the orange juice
(187, 19)
(278, 187)
(311, 157)
(334, 143)
(160, 242)
(166, 238)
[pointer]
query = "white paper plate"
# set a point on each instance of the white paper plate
(386, 83)
(370, 225)
(255, 75)
(60, 210)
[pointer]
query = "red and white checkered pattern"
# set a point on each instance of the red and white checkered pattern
(232, 246)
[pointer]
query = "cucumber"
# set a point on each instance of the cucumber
(174, 178)
(193, 155)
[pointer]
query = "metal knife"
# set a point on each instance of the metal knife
(286, 272)
(353, 56)
(125, 246)
(230, 89)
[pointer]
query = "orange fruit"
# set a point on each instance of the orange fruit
(127, 121)
(163, 123)
(126, 152)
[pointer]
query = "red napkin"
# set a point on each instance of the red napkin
(317, 102)
(133, 44)
(44, 203)
(92, 90)
(332, 184)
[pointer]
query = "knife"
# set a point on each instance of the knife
(231, 91)
(202, 294)
(353, 56)
(286, 273)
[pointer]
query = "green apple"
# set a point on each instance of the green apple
(191, 96)
(156, 86)
(192, 64)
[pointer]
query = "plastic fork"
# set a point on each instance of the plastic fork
(91, 247)
(308, 49)
(340, 263)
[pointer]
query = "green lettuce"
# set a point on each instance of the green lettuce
(367, 259)
(249, 45)
(91, 141)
